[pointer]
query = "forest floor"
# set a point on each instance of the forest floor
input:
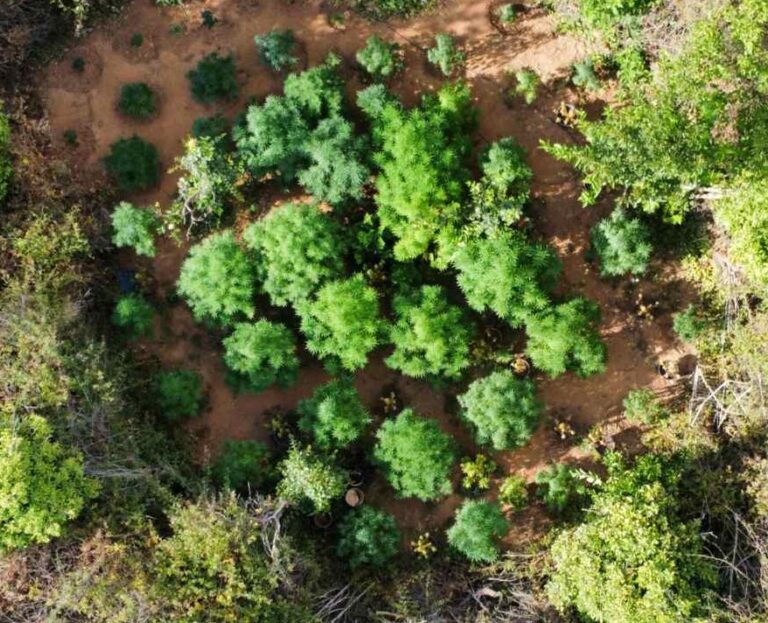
(87, 104)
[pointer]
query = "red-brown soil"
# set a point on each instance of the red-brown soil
(87, 103)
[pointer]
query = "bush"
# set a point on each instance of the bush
(276, 49)
(584, 75)
(477, 473)
(477, 527)
(134, 315)
(368, 536)
(136, 40)
(310, 480)
(6, 166)
(242, 465)
(507, 13)
(134, 227)
(137, 100)
(210, 127)
(527, 84)
(381, 59)
(179, 394)
(374, 100)
(297, 249)
(133, 163)
(566, 338)
(334, 415)
(42, 485)
(317, 92)
(642, 405)
(688, 325)
(507, 275)
(343, 322)
(623, 244)
(513, 492)
(214, 79)
(445, 54)
(502, 410)
(416, 456)
(262, 354)
(216, 279)
(431, 336)
(561, 488)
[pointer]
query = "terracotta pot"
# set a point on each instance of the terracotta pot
(354, 497)
(355, 478)
(323, 520)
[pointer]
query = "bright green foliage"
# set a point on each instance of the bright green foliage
(179, 394)
(42, 486)
(431, 336)
(507, 275)
(566, 338)
(343, 322)
(137, 100)
(134, 227)
(297, 249)
(210, 127)
(623, 244)
(633, 560)
(584, 75)
(308, 478)
(318, 92)
(213, 568)
(374, 100)
(243, 465)
(6, 169)
(642, 405)
(688, 324)
(527, 84)
(276, 49)
(445, 54)
(261, 354)
(133, 163)
(476, 529)
(507, 13)
(502, 409)
(334, 415)
(513, 491)
(381, 59)
(562, 489)
(335, 171)
(213, 79)
(207, 184)
(217, 278)
(368, 536)
(476, 473)
(134, 314)
(608, 14)
(415, 456)
(423, 155)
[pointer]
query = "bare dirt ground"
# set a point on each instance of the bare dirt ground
(86, 102)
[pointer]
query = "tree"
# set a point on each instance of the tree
(213, 79)
(623, 244)
(633, 559)
(562, 489)
(137, 100)
(368, 536)
(261, 354)
(133, 163)
(216, 279)
(6, 166)
(276, 49)
(506, 274)
(527, 85)
(334, 415)
(422, 154)
(502, 409)
(566, 338)
(343, 322)
(415, 456)
(381, 59)
(310, 480)
(179, 394)
(242, 465)
(477, 527)
(134, 314)
(317, 92)
(445, 54)
(297, 250)
(42, 485)
(431, 336)
(134, 227)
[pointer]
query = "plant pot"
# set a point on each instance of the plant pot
(355, 478)
(323, 520)
(354, 497)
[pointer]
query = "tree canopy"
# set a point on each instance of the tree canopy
(334, 415)
(261, 354)
(476, 529)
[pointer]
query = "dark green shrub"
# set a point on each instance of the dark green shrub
(208, 19)
(623, 244)
(179, 394)
(134, 314)
(562, 489)
(70, 138)
(416, 456)
(214, 79)
(445, 54)
(642, 405)
(368, 536)
(334, 415)
(276, 49)
(381, 59)
(137, 100)
(688, 324)
(310, 480)
(476, 530)
(502, 409)
(262, 354)
(134, 164)
(134, 227)
(210, 127)
(78, 64)
(136, 40)
(242, 465)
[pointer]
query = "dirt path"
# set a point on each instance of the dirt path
(86, 103)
